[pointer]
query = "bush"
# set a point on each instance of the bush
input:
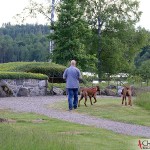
(50, 69)
(22, 75)
(143, 100)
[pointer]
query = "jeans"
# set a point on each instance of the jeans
(72, 98)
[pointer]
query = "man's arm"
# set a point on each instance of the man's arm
(80, 76)
(65, 74)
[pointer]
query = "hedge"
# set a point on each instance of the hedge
(50, 69)
(22, 75)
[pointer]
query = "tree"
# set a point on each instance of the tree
(110, 18)
(142, 56)
(34, 9)
(100, 28)
(70, 33)
(24, 43)
(144, 71)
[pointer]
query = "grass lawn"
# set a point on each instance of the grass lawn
(111, 108)
(36, 132)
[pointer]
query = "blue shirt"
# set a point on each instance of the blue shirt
(72, 76)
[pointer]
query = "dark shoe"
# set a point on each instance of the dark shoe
(75, 107)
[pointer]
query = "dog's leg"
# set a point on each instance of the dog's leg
(122, 96)
(129, 98)
(125, 101)
(122, 99)
(80, 99)
(95, 98)
(85, 100)
(129, 101)
(91, 100)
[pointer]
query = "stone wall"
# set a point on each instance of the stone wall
(23, 87)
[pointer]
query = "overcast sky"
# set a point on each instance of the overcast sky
(9, 8)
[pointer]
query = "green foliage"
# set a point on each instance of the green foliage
(144, 71)
(143, 56)
(70, 33)
(22, 75)
(76, 36)
(112, 56)
(50, 69)
(24, 43)
(119, 41)
(143, 100)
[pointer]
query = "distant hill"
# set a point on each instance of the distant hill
(24, 43)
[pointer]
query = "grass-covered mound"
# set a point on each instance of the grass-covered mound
(47, 68)
(22, 75)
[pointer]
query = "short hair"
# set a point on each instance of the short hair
(73, 62)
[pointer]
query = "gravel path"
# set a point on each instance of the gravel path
(38, 105)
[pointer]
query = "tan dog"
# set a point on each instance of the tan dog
(91, 92)
(126, 92)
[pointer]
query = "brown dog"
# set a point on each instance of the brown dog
(126, 92)
(91, 92)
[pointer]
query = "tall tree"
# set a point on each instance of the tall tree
(108, 17)
(70, 33)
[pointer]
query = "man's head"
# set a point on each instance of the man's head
(73, 63)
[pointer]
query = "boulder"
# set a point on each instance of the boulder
(57, 91)
(5, 90)
(2, 93)
(3, 120)
(109, 92)
(23, 92)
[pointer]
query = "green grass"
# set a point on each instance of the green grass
(143, 100)
(53, 134)
(111, 108)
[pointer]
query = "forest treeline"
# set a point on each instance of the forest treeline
(30, 43)
(24, 43)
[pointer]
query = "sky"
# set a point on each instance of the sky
(9, 8)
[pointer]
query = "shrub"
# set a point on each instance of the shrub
(22, 75)
(143, 100)
(50, 69)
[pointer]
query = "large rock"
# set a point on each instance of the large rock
(109, 92)
(2, 93)
(23, 92)
(5, 90)
(57, 91)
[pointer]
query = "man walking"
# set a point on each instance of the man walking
(72, 76)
